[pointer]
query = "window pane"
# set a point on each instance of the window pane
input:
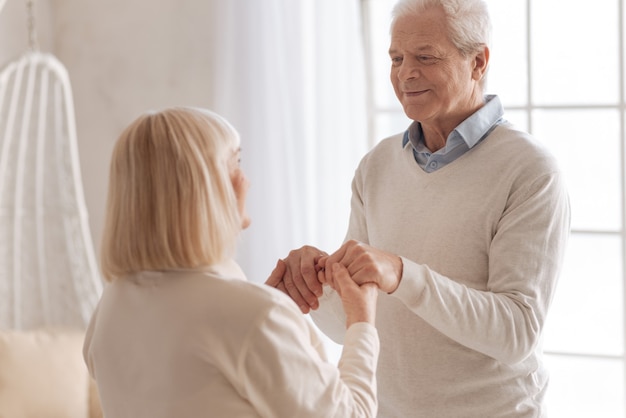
(574, 52)
(586, 315)
(508, 68)
(585, 388)
(586, 143)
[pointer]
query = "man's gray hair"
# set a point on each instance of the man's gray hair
(469, 25)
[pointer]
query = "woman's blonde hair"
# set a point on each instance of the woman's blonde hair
(171, 203)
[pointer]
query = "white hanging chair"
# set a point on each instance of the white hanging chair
(48, 272)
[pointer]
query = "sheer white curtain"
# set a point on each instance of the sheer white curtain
(289, 74)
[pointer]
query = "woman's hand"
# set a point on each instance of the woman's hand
(359, 302)
(297, 276)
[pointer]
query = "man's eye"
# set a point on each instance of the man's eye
(396, 60)
(427, 59)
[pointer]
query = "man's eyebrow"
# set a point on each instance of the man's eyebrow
(424, 48)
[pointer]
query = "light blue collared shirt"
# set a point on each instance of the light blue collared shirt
(465, 136)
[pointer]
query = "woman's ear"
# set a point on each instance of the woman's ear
(241, 184)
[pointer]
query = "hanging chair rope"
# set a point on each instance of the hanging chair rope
(33, 45)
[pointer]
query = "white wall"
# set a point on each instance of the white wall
(123, 57)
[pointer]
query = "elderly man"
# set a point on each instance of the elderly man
(462, 220)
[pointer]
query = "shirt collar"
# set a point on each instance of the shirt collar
(470, 131)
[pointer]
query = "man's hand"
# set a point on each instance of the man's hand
(365, 264)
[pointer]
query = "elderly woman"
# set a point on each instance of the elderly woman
(462, 220)
(178, 331)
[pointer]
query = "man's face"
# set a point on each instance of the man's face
(435, 83)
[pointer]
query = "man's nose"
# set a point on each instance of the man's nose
(408, 69)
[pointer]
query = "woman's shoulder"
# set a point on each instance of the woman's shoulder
(244, 296)
(260, 293)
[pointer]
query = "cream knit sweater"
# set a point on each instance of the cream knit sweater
(482, 241)
(207, 343)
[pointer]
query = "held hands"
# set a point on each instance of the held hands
(303, 272)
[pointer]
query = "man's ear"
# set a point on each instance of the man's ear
(481, 62)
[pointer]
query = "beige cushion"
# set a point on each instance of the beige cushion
(43, 375)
